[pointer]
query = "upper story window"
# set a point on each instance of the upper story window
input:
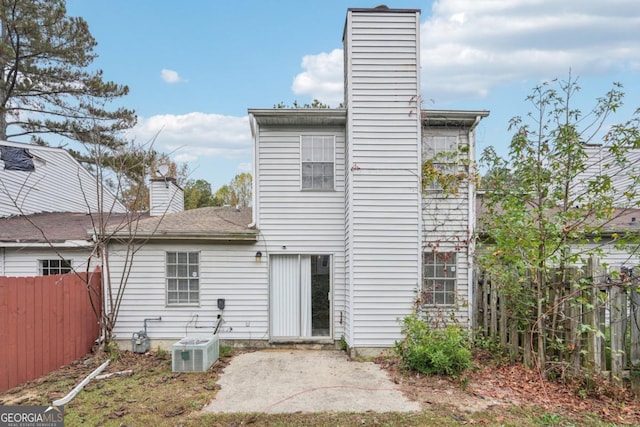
(317, 162)
(183, 278)
(442, 152)
(55, 266)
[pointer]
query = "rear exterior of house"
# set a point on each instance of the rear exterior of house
(342, 237)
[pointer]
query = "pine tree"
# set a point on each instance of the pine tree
(46, 86)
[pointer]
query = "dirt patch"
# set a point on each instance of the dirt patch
(491, 386)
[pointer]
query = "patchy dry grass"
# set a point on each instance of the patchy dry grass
(149, 394)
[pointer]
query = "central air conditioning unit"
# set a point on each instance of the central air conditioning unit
(194, 354)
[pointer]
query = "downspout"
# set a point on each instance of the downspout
(472, 225)
(419, 165)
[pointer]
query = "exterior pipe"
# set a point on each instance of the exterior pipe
(80, 386)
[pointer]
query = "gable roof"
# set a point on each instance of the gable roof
(209, 223)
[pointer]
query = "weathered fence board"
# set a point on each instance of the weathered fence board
(47, 322)
(578, 319)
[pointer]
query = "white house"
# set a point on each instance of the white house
(36, 179)
(341, 237)
(48, 205)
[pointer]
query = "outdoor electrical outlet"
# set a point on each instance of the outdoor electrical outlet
(247, 323)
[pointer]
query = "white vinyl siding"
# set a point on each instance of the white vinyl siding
(227, 271)
(448, 220)
(383, 210)
(183, 280)
(317, 169)
(601, 162)
(58, 184)
(165, 197)
(21, 262)
(292, 221)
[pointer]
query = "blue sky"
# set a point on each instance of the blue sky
(195, 67)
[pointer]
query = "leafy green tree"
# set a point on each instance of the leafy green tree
(197, 194)
(46, 86)
(314, 104)
(536, 214)
(238, 192)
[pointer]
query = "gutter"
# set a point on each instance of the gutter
(232, 237)
(62, 244)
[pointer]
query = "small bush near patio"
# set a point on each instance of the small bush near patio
(434, 351)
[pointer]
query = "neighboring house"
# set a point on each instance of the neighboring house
(50, 243)
(35, 179)
(48, 205)
(601, 161)
(342, 237)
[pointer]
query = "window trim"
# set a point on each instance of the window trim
(333, 184)
(431, 291)
(68, 262)
(167, 278)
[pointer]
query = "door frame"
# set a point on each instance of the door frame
(317, 339)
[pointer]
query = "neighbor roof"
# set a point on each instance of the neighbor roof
(209, 223)
(622, 219)
(50, 227)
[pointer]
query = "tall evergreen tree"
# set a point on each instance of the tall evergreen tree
(46, 86)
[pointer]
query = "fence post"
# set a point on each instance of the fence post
(618, 313)
(635, 326)
(494, 312)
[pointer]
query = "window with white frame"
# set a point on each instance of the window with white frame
(439, 277)
(49, 267)
(442, 152)
(183, 278)
(317, 162)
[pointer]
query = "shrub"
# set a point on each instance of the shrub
(434, 351)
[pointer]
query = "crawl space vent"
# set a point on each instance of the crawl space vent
(194, 354)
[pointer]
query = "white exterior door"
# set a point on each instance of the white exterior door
(300, 296)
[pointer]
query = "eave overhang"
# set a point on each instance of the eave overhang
(299, 116)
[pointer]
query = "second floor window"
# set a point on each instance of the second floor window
(317, 158)
(442, 152)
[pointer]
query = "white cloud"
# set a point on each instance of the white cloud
(197, 136)
(244, 167)
(322, 78)
(185, 158)
(469, 47)
(170, 76)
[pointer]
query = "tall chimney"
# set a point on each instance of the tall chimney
(383, 157)
(165, 197)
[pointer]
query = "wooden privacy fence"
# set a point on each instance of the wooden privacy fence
(45, 322)
(595, 327)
